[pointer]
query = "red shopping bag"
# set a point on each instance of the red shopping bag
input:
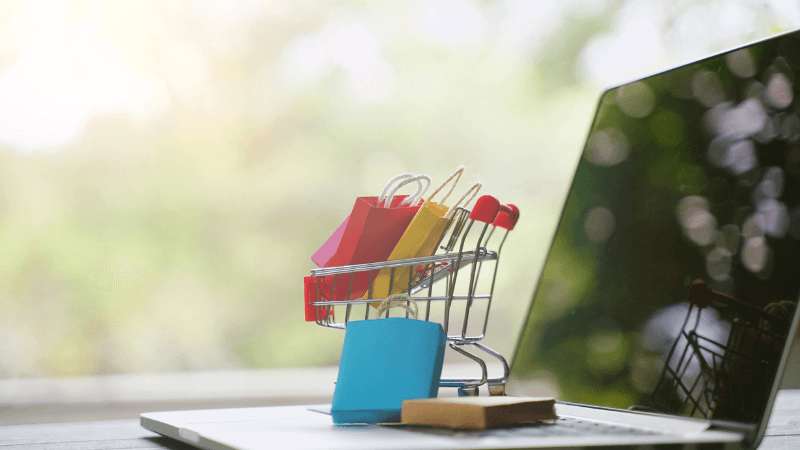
(326, 251)
(371, 233)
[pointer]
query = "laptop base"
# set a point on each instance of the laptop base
(297, 427)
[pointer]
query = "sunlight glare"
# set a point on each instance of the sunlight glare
(452, 23)
(69, 73)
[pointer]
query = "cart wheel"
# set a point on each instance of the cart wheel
(468, 391)
(498, 389)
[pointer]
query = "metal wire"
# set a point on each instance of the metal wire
(424, 275)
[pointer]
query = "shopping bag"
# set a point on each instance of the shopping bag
(324, 253)
(386, 361)
(371, 233)
(421, 238)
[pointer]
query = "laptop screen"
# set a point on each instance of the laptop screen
(674, 272)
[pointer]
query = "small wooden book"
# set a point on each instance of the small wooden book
(477, 413)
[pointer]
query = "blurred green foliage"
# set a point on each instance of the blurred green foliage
(177, 238)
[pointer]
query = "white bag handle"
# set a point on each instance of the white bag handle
(423, 183)
(457, 176)
(404, 301)
(474, 190)
(413, 199)
(402, 176)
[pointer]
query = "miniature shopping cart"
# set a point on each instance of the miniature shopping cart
(453, 287)
(713, 376)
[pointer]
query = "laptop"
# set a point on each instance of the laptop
(666, 304)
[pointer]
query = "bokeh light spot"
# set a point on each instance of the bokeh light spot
(771, 185)
(636, 100)
(712, 119)
(750, 228)
(452, 23)
(305, 60)
(701, 226)
(689, 203)
(768, 132)
(772, 217)
(607, 147)
(744, 120)
(741, 63)
(718, 264)
(755, 254)
(779, 91)
(599, 224)
(353, 47)
(741, 157)
(707, 88)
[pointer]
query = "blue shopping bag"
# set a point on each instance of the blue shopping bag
(384, 362)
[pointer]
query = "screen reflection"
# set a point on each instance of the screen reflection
(673, 276)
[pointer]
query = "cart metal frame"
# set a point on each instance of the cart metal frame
(461, 250)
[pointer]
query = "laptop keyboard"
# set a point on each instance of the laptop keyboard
(567, 426)
(564, 426)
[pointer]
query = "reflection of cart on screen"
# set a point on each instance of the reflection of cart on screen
(727, 377)
(458, 299)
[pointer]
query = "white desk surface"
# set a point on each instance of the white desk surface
(783, 432)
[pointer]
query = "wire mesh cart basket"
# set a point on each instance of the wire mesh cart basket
(721, 371)
(453, 287)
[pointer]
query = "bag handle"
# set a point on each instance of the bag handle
(402, 176)
(423, 183)
(397, 301)
(391, 182)
(474, 190)
(457, 176)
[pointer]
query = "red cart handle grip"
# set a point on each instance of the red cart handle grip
(507, 217)
(485, 209)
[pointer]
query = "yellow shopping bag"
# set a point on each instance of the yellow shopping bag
(421, 238)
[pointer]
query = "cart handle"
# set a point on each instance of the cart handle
(507, 217)
(485, 209)
(700, 294)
